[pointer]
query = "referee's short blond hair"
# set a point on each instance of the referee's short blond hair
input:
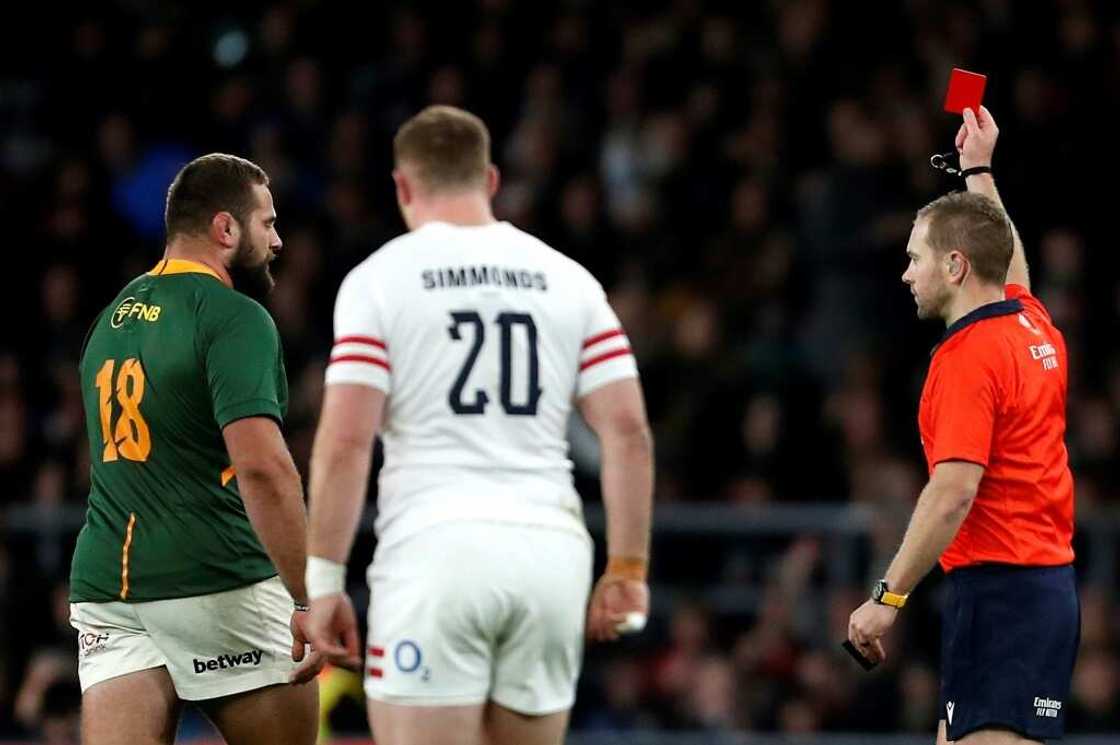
(977, 227)
(449, 149)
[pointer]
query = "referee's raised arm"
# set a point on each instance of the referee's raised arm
(976, 142)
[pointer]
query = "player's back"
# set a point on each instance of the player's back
(164, 368)
(482, 337)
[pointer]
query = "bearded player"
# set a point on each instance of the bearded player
(187, 578)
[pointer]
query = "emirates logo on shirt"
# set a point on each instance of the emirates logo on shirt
(1047, 354)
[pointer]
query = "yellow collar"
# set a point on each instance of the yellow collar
(181, 266)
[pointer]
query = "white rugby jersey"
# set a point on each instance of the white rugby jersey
(482, 337)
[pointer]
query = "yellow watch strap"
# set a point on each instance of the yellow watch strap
(893, 599)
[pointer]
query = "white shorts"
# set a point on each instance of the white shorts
(465, 612)
(212, 645)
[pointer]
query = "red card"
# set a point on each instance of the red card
(966, 91)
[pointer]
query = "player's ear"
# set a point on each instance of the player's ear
(404, 189)
(493, 180)
(224, 230)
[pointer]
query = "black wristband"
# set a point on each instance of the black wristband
(975, 171)
(302, 608)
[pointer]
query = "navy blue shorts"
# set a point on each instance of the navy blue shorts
(1008, 643)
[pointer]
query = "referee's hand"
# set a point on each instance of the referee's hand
(867, 626)
(332, 628)
(976, 139)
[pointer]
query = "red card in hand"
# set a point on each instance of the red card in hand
(966, 91)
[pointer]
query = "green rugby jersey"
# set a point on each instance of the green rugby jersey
(172, 360)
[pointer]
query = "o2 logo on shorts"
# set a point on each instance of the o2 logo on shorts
(408, 658)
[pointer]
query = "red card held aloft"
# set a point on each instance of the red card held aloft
(966, 91)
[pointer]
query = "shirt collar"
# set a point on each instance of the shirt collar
(181, 266)
(988, 310)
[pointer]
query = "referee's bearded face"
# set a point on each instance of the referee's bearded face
(257, 248)
(925, 275)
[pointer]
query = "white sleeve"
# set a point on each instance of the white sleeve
(360, 353)
(605, 355)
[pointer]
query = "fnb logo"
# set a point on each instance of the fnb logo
(131, 308)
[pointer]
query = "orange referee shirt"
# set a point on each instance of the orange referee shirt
(996, 395)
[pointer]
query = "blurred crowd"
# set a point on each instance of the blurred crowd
(741, 177)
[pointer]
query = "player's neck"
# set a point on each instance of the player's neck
(457, 209)
(187, 248)
(971, 298)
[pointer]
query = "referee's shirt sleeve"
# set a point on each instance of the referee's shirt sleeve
(360, 353)
(964, 401)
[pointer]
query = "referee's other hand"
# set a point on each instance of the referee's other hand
(867, 626)
(332, 628)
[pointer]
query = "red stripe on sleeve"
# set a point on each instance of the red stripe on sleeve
(593, 340)
(356, 339)
(377, 651)
(375, 672)
(604, 357)
(361, 358)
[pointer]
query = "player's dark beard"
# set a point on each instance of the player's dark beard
(254, 281)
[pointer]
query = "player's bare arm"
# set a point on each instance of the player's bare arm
(616, 413)
(976, 142)
(340, 467)
(270, 487)
(942, 507)
(273, 495)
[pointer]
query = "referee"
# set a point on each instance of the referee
(998, 508)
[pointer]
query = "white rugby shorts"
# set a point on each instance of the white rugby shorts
(465, 612)
(212, 645)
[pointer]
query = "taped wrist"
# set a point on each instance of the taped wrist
(324, 577)
(627, 567)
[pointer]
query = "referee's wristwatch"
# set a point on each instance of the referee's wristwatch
(882, 595)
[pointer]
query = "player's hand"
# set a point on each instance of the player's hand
(611, 601)
(976, 139)
(311, 662)
(332, 628)
(867, 626)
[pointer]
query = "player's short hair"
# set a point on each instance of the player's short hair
(449, 147)
(208, 185)
(977, 227)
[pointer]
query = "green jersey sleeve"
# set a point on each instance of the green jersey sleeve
(245, 365)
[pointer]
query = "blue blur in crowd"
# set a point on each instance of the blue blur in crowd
(139, 195)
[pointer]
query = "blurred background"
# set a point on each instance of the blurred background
(741, 176)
